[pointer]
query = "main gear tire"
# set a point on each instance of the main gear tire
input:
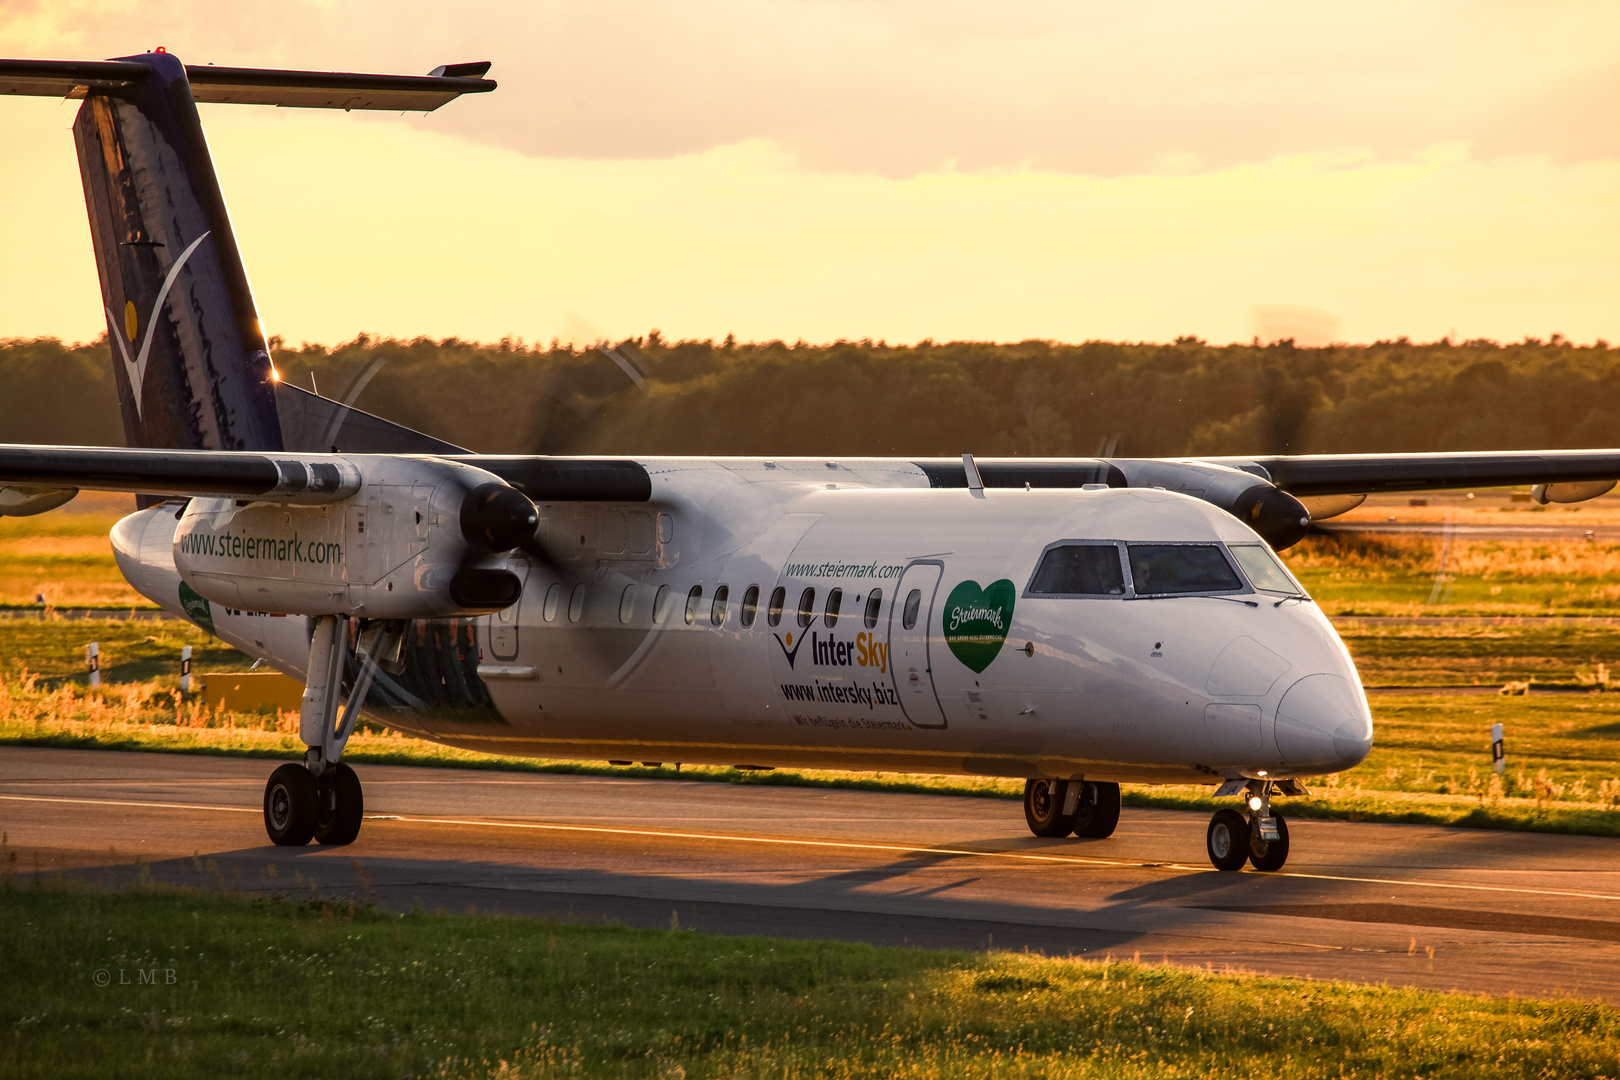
(342, 806)
(291, 806)
(1043, 808)
(1096, 815)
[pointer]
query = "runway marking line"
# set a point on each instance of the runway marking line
(1073, 860)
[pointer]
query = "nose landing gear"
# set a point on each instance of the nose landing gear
(1087, 808)
(1261, 840)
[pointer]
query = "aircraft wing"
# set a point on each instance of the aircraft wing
(247, 474)
(1307, 475)
(296, 477)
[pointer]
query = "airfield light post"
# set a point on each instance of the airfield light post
(92, 662)
(1498, 755)
(185, 672)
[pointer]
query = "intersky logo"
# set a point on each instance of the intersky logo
(791, 654)
(136, 366)
(864, 651)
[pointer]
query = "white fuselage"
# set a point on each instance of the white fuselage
(622, 651)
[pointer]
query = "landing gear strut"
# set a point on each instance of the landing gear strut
(1088, 808)
(1261, 839)
(321, 799)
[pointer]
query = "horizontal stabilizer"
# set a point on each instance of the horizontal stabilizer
(61, 78)
(254, 86)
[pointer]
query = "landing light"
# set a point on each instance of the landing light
(1254, 802)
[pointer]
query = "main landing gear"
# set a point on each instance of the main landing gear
(321, 799)
(1261, 839)
(1088, 808)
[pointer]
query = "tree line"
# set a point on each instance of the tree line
(1038, 398)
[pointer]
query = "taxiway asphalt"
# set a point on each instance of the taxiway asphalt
(1498, 912)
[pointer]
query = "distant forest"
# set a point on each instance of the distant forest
(850, 398)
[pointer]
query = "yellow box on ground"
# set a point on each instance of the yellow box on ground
(251, 691)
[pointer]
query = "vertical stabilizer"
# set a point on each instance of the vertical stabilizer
(193, 368)
(191, 360)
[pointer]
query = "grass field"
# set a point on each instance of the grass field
(64, 555)
(1573, 653)
(311, 987)
(1368, 574)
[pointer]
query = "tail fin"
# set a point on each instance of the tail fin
(192, 364)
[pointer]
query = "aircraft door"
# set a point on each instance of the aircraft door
(503, 624)
(911, 615)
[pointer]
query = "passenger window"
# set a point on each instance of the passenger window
(807, 607)
(908, 616)
(553, 598)
(576, 603)
(627, 603)
(1266, 573)
(661, 604)
(717, 613)
(835, 601)
(1079, 570)
(1164, 569)
(874, 601)
(773, 614)
(694, 600)
(750, 605)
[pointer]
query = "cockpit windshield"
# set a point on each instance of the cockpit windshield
(1100, 568)
(1165, 569)
(1265, 572)
(1079, 570)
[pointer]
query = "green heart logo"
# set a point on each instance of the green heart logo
(196, 608)
(977, 620)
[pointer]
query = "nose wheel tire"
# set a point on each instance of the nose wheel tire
(291, 805)
(1228, 840)
(340, 807)
(1043, 808)
(1097, 813)
(1270, 855)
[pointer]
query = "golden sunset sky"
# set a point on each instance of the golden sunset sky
(884, 169)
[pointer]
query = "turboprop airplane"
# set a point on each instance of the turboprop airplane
(1072, 623)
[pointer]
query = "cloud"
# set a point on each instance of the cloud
(903, 87)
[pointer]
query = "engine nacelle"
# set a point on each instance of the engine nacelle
(420, 538)
(25, 500)
(1578, 491)
(1279, 518)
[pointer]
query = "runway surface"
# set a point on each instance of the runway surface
(1529, 914)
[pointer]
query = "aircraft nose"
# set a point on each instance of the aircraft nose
(1323, 723)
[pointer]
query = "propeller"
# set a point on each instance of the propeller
(1287, 398)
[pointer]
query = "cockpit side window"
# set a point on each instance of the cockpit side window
(1167, 569)
(1266, 572)
(1079, 570)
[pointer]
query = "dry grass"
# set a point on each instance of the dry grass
(65, 555)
